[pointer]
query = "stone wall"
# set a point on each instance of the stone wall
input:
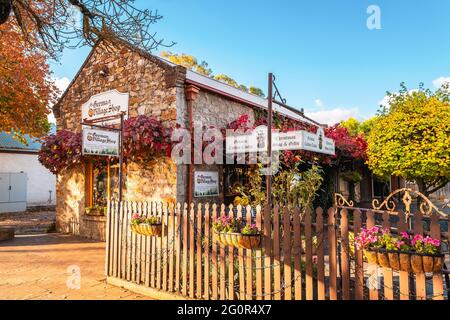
(211, 110)
(152, 86)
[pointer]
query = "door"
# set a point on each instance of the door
(18, 190)
(13, 192)
(4, 187)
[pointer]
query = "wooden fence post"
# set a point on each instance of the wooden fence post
(345, 265)
(320, 255)
(332, 253)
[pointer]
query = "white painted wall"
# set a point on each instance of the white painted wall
(40, 180)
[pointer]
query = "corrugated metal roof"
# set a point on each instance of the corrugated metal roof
(8, 142)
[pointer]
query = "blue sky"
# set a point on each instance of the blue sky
(325, 58)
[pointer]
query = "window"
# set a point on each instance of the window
(380, 188)
(102, 183)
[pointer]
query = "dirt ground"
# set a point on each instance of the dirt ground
(55, 267)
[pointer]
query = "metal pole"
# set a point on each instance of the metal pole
(269, 142)
(121, 159)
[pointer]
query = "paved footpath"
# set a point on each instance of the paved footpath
(41, 267)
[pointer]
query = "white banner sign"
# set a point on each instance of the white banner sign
(206, 183)
(106, 104)
(256, 141)
(100, 142)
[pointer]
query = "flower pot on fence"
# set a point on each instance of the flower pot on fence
(394, 260)
(409, 262)
(383, 259)
(405, 264)
(147, 229)
(250, 241)
(238, 240)
(416, 263)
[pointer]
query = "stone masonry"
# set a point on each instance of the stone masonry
(151, 84)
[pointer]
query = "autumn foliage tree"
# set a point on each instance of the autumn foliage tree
(26, 89)
(411, 139)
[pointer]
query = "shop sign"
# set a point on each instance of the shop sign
(100, 142)
(206, 183)
(107, 104)
(256, 141)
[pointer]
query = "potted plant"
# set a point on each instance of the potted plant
(250, 237)
(410, 253)
(95, 211)
(150, 226)
(235, 233)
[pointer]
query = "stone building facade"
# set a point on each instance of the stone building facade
(156, 88)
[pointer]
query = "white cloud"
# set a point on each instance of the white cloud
(61, 84)
(439, 82)
(318, 103)
(333, 116)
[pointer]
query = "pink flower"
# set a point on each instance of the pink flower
(404, 235)
(417, 238)
(398, 244)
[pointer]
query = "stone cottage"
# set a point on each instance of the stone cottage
(156, 88)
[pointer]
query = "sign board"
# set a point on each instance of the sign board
(206, 183)
(100, 142)
(256, 141)
(106, 104)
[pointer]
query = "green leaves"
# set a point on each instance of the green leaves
(412, 139)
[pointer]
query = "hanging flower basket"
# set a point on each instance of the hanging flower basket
(238, 240)
(147, 229)
(233, 232)
(146, 226)
(410, 261)
(414, 254)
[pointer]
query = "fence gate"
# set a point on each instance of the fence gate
(303, 255)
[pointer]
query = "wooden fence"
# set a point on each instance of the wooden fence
(302, 256)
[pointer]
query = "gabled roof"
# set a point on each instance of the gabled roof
(8, 143)
(204, 82)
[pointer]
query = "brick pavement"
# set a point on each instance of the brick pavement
(36, 267)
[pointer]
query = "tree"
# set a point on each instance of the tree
(52, 25)
(256, 91)
(25, 86)
(411, 138)
(356, 127)
(191, 63)
(226, 79)
(188, 61)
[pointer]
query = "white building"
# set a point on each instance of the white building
(24, 182)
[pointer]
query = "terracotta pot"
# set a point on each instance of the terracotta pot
(416, 263)
(249, 241)
(405, 264)
(383, 259)
(371, 256)
(394, 260)
(438, 263)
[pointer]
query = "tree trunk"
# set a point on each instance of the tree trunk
(422, 187)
